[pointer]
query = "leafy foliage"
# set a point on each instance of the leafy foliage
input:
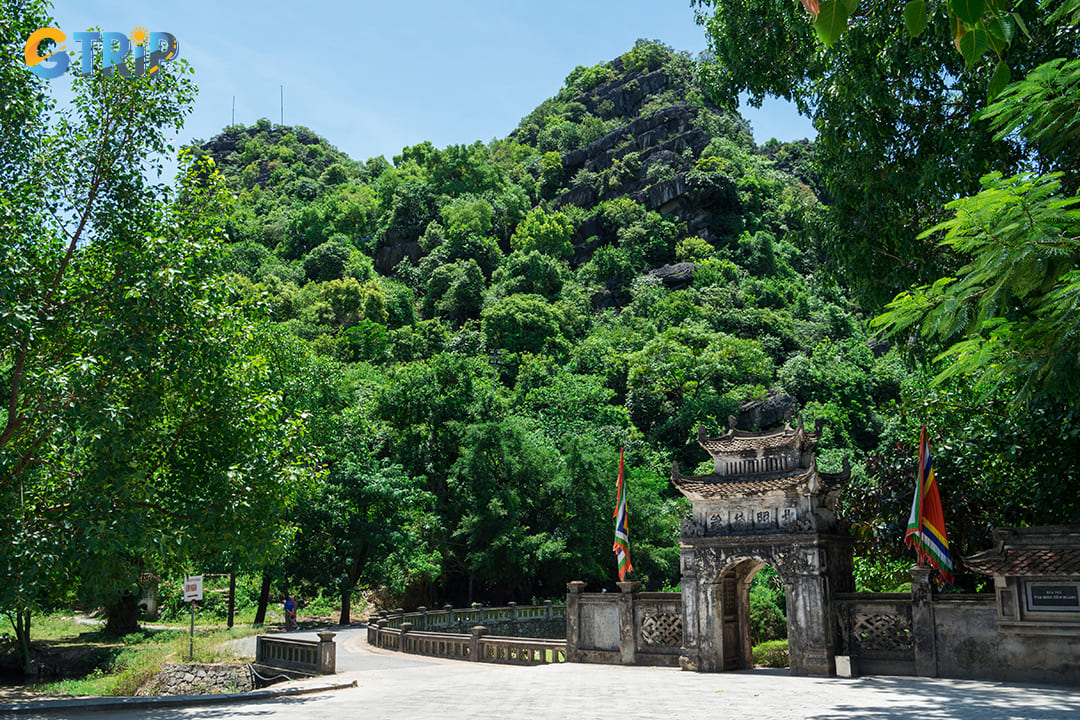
(469, 334)
(1011, 312)
(141, 431)
(888, 109)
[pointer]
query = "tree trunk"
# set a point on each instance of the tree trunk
(264, 599)
(232, 596)
(21, 622)
(346, 607)
(123, 615)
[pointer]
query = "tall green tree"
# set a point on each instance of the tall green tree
(1009, 315)
(364, 524)
(893, 115)
(138, 430)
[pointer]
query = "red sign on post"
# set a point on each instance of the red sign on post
(193, 588)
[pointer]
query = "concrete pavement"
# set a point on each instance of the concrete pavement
(392, 685)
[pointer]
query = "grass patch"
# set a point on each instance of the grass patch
(119, 666)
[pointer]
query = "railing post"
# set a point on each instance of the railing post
(405, 628)
(475, 654)
(548, 611)
(627, 640)
(923, 625)
(423, 617)
(449, 609)
(380, 631)
(327, 654)
(513, 610)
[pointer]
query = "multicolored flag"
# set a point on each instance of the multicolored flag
(622, 527)
(926, 524)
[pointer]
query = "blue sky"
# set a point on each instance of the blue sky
(375, 77)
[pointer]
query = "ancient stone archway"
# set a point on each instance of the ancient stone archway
(764, 503)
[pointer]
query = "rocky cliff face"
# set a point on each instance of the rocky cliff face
(663, 145)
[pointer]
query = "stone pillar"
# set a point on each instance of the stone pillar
(689, 658)
(710, 626)
(549, 609)
(923, 625)
(423, 617)
(811, 640)
(513, 610)
(406, 627)
(450, 613)
(627, 639)
(573, 620)
(475, 654)
(327, 654)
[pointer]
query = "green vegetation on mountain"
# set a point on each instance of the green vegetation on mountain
(414, 376)
(501, 318)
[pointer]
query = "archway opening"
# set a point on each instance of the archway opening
(767, 613)
(751, 618)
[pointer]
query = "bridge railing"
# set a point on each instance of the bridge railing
(310, 657)
(477, 646)
(427, 619)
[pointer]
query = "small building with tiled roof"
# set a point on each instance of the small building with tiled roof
(1036, 573)
(762, 482)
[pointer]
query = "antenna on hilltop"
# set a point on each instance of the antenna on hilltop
(282, 105)
(233, 110)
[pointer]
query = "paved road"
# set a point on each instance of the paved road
(390, 685)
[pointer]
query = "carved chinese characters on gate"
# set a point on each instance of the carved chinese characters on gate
(738, 521)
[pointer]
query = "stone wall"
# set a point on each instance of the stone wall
(199, 679)
(971, 643)
(627, 628)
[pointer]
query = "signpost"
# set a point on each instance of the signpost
(193, 591)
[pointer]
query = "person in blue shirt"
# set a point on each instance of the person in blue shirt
(290, 613)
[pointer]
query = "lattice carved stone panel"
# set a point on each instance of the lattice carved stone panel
(662, 629)
(887, 633)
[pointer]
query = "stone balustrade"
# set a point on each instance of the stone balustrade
(477, 646)
(427, 619)
(304, 657)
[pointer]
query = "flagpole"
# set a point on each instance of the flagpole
(922, 492)
(622, 531)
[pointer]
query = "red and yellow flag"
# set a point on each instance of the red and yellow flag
(926, 524)
(622, 527)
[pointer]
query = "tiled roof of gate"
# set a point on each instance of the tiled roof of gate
(1026, 561)
(735, 442)
(711, 486)
(715, 486)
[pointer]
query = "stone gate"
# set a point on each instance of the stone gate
(765, 503)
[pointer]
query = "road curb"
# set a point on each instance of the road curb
(124, 703)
